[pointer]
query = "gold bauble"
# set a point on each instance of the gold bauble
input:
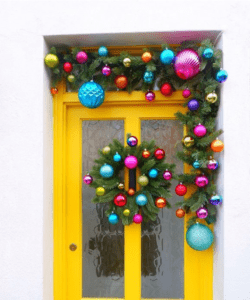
(120, 186)
(146, 57)
(51, 60)
(126, 212)
(143, 180)
(106, 150)
(127, 62)
(71, 78)
(212, 97)
(100, 191)
(188, 141)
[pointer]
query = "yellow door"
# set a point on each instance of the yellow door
(93, 260)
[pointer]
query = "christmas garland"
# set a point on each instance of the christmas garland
(131, 205)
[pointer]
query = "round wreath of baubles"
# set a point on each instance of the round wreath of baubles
(129, 205)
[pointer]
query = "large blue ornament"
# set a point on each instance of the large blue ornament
(199, 237)
(117, 157)
(106, 171)
(113, 218)
(215, 200)
(208, 53)
(196, 164)
(148, 77)
(103, 51)
(221, 76)
(91, 94)
(193, 104)
(141, 200)
(167, 56)
(153, 173)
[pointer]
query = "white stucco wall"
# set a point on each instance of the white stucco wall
(26, 123)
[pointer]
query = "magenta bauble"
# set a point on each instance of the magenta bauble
(187, 64)
(200, 130)
(202, 213)
(81, 57)
(201, 180)
(150, 96)
(137, 218)
(167, 175)
(131, 162)
(87, 179)
(106, 70)
(186, 93)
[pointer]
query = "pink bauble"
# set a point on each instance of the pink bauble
(187, 64)
(201, 180)
(200, 130)
(87, 179)
(150, 96)
(106, 70)
(131, 162)
(186, 93)
(81, 57)
(137, 218)
(167, 175)
(202, 213)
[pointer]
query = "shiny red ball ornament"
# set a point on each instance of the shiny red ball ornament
(54, 91)
(120, 200)
(180, 189)
(121, 81)
(67, 67)
(145, 153)
(166, 89)
(159, 153)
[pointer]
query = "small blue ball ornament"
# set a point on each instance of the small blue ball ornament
(208, 53)
(193, 104)
(91, 94)
(199, 237)
(216, 200)
(221, 76)
(148, 77)
(167, 56)
(117, 157)
(103, 51)
(196, 164)
(153, 173)
(113, 218)
(141, 200)
(106, 171)
(132, 141)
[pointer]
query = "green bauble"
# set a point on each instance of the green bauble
(51, 60)
(100, 191)
(143, 180)
(106, 150)
(71, 78)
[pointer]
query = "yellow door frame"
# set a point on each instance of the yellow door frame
(198, 266)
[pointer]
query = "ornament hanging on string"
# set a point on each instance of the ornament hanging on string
(120, 186)
(200, 130)
(160, 202)
(208, 53)
(106, 70)
(126, 212)
(187, 64)
(145, 153)
(196, 164)
(87, 179)
(211, 97)
(131, 162)
(81, 57)
(106, 171)
(188, 141)
(159, 154)
(153, 173)
(131, 191)
(212, 164)
(201, 181)
(121, 81)
(113, 219)
(148, 77)
(91, 94)
(106, 150)
(103, 51)
(199, 237)
(146, 57)
(120, 200)
(100, 191)
(137, 218)
(166, 89)
(71, 78)
(221, 76)
(186, 93)
(215, 200)
(217, 145)
(193, 104)
(132, 141)
(143, 180)
(180, 213)
(202, 213)
(127, 62)
(150, 96)
(167, 56)
(117, 157)
(141, 200)
(67, 67)
(181, 189)
(167, 175)
(54, 91)
(51, 60)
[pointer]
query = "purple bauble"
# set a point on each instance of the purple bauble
(167, 175)
(87, 179)
(187, 64)
(106, 70)
(132, 141)
(137, 218)
(81, 57)
(215, 200)
(200, 130)
(202, 213)
(201, 180)
(186, 93)
(193, 104)
(131, 162)
(212, 164)
(150, 96)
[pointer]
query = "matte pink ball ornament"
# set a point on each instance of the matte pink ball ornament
(186, 93)
(201, 181)
(202, 213)
(200, 130)
(167, 175)
(87, 179)
(81, 57)
(106, 70)
(137, 218)
(187, 64)
(150, 96)
(131, 162)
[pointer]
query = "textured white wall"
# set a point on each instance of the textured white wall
(26, 124)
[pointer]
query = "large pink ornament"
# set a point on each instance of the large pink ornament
(137, 218)
(201, 180)
(187, 64)
(131, 162)
(200, 130)
(81, 57)
(202, 213)
(167, 175)
(87, 179)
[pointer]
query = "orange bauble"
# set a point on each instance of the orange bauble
(54, 91)
(217, 146)
(145, 154)
(180, 213)
(121, 81)
(131, 192)
(160, 202)
(146, 57)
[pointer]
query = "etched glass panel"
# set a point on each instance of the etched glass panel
(162, 240)
(102, 243)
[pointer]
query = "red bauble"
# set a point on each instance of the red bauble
(181, 189)
(159, 153)
(120, 200)
(54, 91)
(67, 67)
(121, 81)
(166, 89)
(145, 153)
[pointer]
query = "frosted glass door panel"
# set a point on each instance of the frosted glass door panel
(162, 240)
(102, 243)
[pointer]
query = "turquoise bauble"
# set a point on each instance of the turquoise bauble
(208, 53)
(91, 94)
(167, 56)
(141, 200)
(113, 218)
(196, 164)
(103, 51)
(106, 171)
(221, 76)
(199, 237)
(117, 157)
(148, 77)
(153, 173)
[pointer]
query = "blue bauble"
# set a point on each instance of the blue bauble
(106, 171)
(208, 53)
(215, 200)
(103, 51)
(91, 94)
(148, 77)
(221, 76)
(117, 157)
(196, 164)
(167, 56)
(141, 200)
(193, 104)
(153, 173)
(113, 218)
(199, 237)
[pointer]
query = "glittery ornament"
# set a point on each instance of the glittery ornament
(193, 104)
(148, 77)
(106, 150)
(217, 145)
(100, 191)
(54, 91)
(159, 154)
(167, 175)
(121, 81)
(212, 164)
(196, 164)
(211, 97)
(71, 78)
(106, 70)
(153, 173)
(145, 153)
(160, 202)
(200, 130)
(131, 162)
(186, 93)
(126, 212)
(199, 237)
(81, 57)
(67, 67)
(166, 89)
(188, 141)
(51, 60)
(127, 62)
(120, 200)
(150, 96)
(180, 213)
(131, 191)
(208, 53)
(117, 157)
(143, 180)
(180, 189)
(221, 76)
(132, 141)
(146, 57)
(187, 64)
(141, 200)
(201, 181)
(137, 218)
(216, 200)
(106, 171)
(202, 213)
(120, 186)
(103, 51)
(113, 219)
(91, 94)
(167, 56)
(87, 179)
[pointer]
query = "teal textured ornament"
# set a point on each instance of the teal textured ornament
(113, 218)
(103, 51)
(141, 200)
(148, 77)
(208, 53)
(199, 237)
(91, 94)
(106, 171)
(117, 157)
(167, 56)
(153, 173)
(196, 164)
